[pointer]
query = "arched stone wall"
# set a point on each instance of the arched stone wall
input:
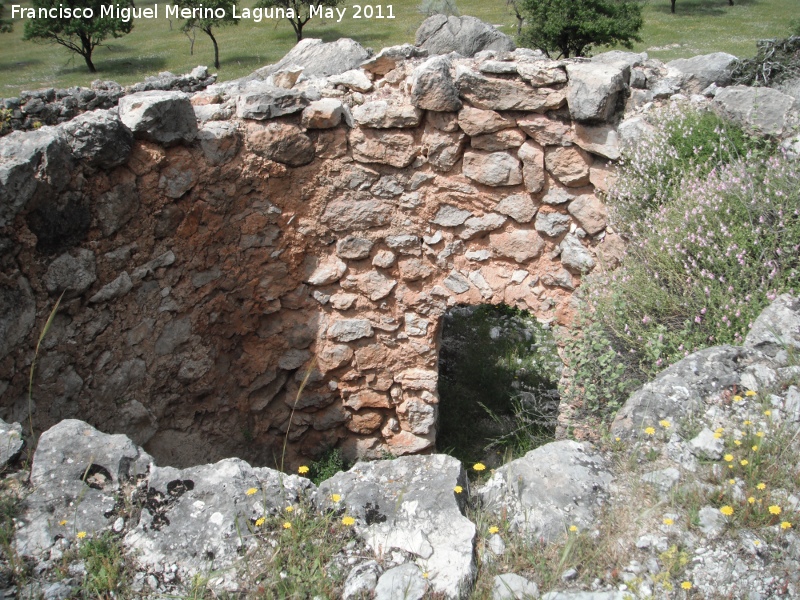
(284, 264)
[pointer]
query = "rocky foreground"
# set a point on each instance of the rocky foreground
(665, 494)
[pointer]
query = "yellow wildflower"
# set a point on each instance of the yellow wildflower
(336, 497)
(726, 510)
(302, 470)
(62, 522)
(755, 448)
(650, 431)
(751, 500)
(287, 525)
(737, 398)
(251, 491)
(494, 529)
(762, 486)
(749, 393)
(479, 467)
(81, 535)
(732, 481)
(744, 462)
(747, 422)
(348, 521)
(786, 525)
(767, 413)
(728, 457)
(717, 435)
(616, 439)
(756, 542)
(668, 521)
(573, 528)
(458, 489)
(665, 424)
(774, 509)
(686, 585)
(425, 575)
(737, 442)
(260, 521)
(289, 508)
(760, 434)
(719, 430)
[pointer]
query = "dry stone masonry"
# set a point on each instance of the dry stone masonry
(270, 258)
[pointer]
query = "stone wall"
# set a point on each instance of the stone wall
(275, 254)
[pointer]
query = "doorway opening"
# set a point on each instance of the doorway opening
(498, 384)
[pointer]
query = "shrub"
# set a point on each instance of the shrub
(705, 255)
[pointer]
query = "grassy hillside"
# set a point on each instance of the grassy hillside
(699, 26)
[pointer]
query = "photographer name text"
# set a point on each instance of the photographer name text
(171, 11)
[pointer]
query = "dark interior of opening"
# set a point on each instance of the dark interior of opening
(498, 376)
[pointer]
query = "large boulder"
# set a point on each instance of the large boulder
(198, 518)
(11, 442)
(163, 117)
(317, 58)
(548, 490)
(100, 139)
(34, 163)
(440, 34)
(776, 331)
(410, 504)
(701, 71)
(76, 473)
(764, 109)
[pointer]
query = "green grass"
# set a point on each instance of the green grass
(699, 26)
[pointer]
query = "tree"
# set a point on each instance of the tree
(210, 14)
(5, 26)
(300, 12)
(78, 34)
(573, 27)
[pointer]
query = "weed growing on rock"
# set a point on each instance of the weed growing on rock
(712, 240)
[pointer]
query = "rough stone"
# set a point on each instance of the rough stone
(327, 271)
(521, 244)
(546, 131)
(408, 504)
(348, 330)
(440, 34)
(389, 58)
(17, 313)
(776, 331)
(361, 580)
(474, 121)
(317, 58)
(549, 489)
(401, 583)
(73, 272)
(352, 214)
(11, 442)
(552, 223)
(593, 90)
(381, 114)
(451, 216)
(281, 142)
(354, 79)
(499, 140)
(220, 141)
(505, 94)
(761, 108)
(701, 71)
(532, 157)
(100, 139)
(432, 86)
(443, 149)
(574, 255)
(570, 165)
(598, 139)
(176, 181)
(117, 288)
(353, 247)
(475, 226)
(519, 207)
(394, 148)
(492, 168)
(322, 114)
(164, 117)
(589, 212)
(510, 586)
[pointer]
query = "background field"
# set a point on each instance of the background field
(700, 26)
